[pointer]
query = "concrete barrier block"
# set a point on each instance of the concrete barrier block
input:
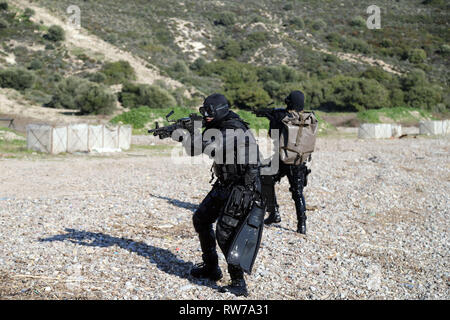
(77, 138)
(95, 137)
(125, 133)
(39, 138)
(434, 127)
(376, 131)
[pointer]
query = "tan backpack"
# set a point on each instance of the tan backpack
(298, 137)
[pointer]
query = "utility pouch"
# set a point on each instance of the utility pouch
(239, 202)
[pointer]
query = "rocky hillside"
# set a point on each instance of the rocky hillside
(253, 51)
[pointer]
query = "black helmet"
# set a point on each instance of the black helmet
(215, 106)
(295, 101)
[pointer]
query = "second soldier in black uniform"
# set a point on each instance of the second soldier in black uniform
(296, 174)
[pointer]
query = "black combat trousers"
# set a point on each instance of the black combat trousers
(297, 176)
(211, 210)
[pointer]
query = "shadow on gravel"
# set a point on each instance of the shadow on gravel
(164, 259)
(180, 204)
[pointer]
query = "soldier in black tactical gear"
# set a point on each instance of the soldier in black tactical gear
(230, 175)
(296, 174)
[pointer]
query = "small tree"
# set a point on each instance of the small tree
(118, 72)
(225, 18)
(96, 99)
(16, 78)
(136, 95)
(55, 33)
(417, 56)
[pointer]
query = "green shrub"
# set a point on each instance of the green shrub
(378, 74)
(136, 95)
(272, 87)
(137, 117)
(254, 40)
(16, 78)
(424, 97)
(4, 5)
(118, 72)
(386, 43)
(180, 68)
(248, 96)
(358, 21)
(414, 78)
(361, 46)
(417, 56)
(297, 22)
(55, 33)
(198, 64)
(80, 94)
(229, 48)
(225, 19)
(96, 99)
(65, 95)
(288, 7)
(284, 90)
(334, 38)
(28, 13)
(318, 24)
(347, 93)
(35, 64)
(97, 77)
(331, 59)
(444, 49)
(397, 97)
(280, 74)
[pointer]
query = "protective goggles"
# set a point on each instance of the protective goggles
(210, 111)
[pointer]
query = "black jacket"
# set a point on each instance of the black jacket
(232, 146)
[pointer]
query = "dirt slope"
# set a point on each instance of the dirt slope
(81, 38)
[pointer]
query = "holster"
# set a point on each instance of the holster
(236, 209)
(306, 172)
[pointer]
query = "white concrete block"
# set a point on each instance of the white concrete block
(77, 138)
(434, 127)
(376, 131)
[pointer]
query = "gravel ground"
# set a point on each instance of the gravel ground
(119, 227)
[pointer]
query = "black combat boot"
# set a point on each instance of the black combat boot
(274, 217)
(238, 287)
(300, 209)
(301, 224)
(208, 269)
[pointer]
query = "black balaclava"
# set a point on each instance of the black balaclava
(216, 106)
(295, 101)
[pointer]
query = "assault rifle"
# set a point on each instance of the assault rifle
(183, 123)
(264, 112)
